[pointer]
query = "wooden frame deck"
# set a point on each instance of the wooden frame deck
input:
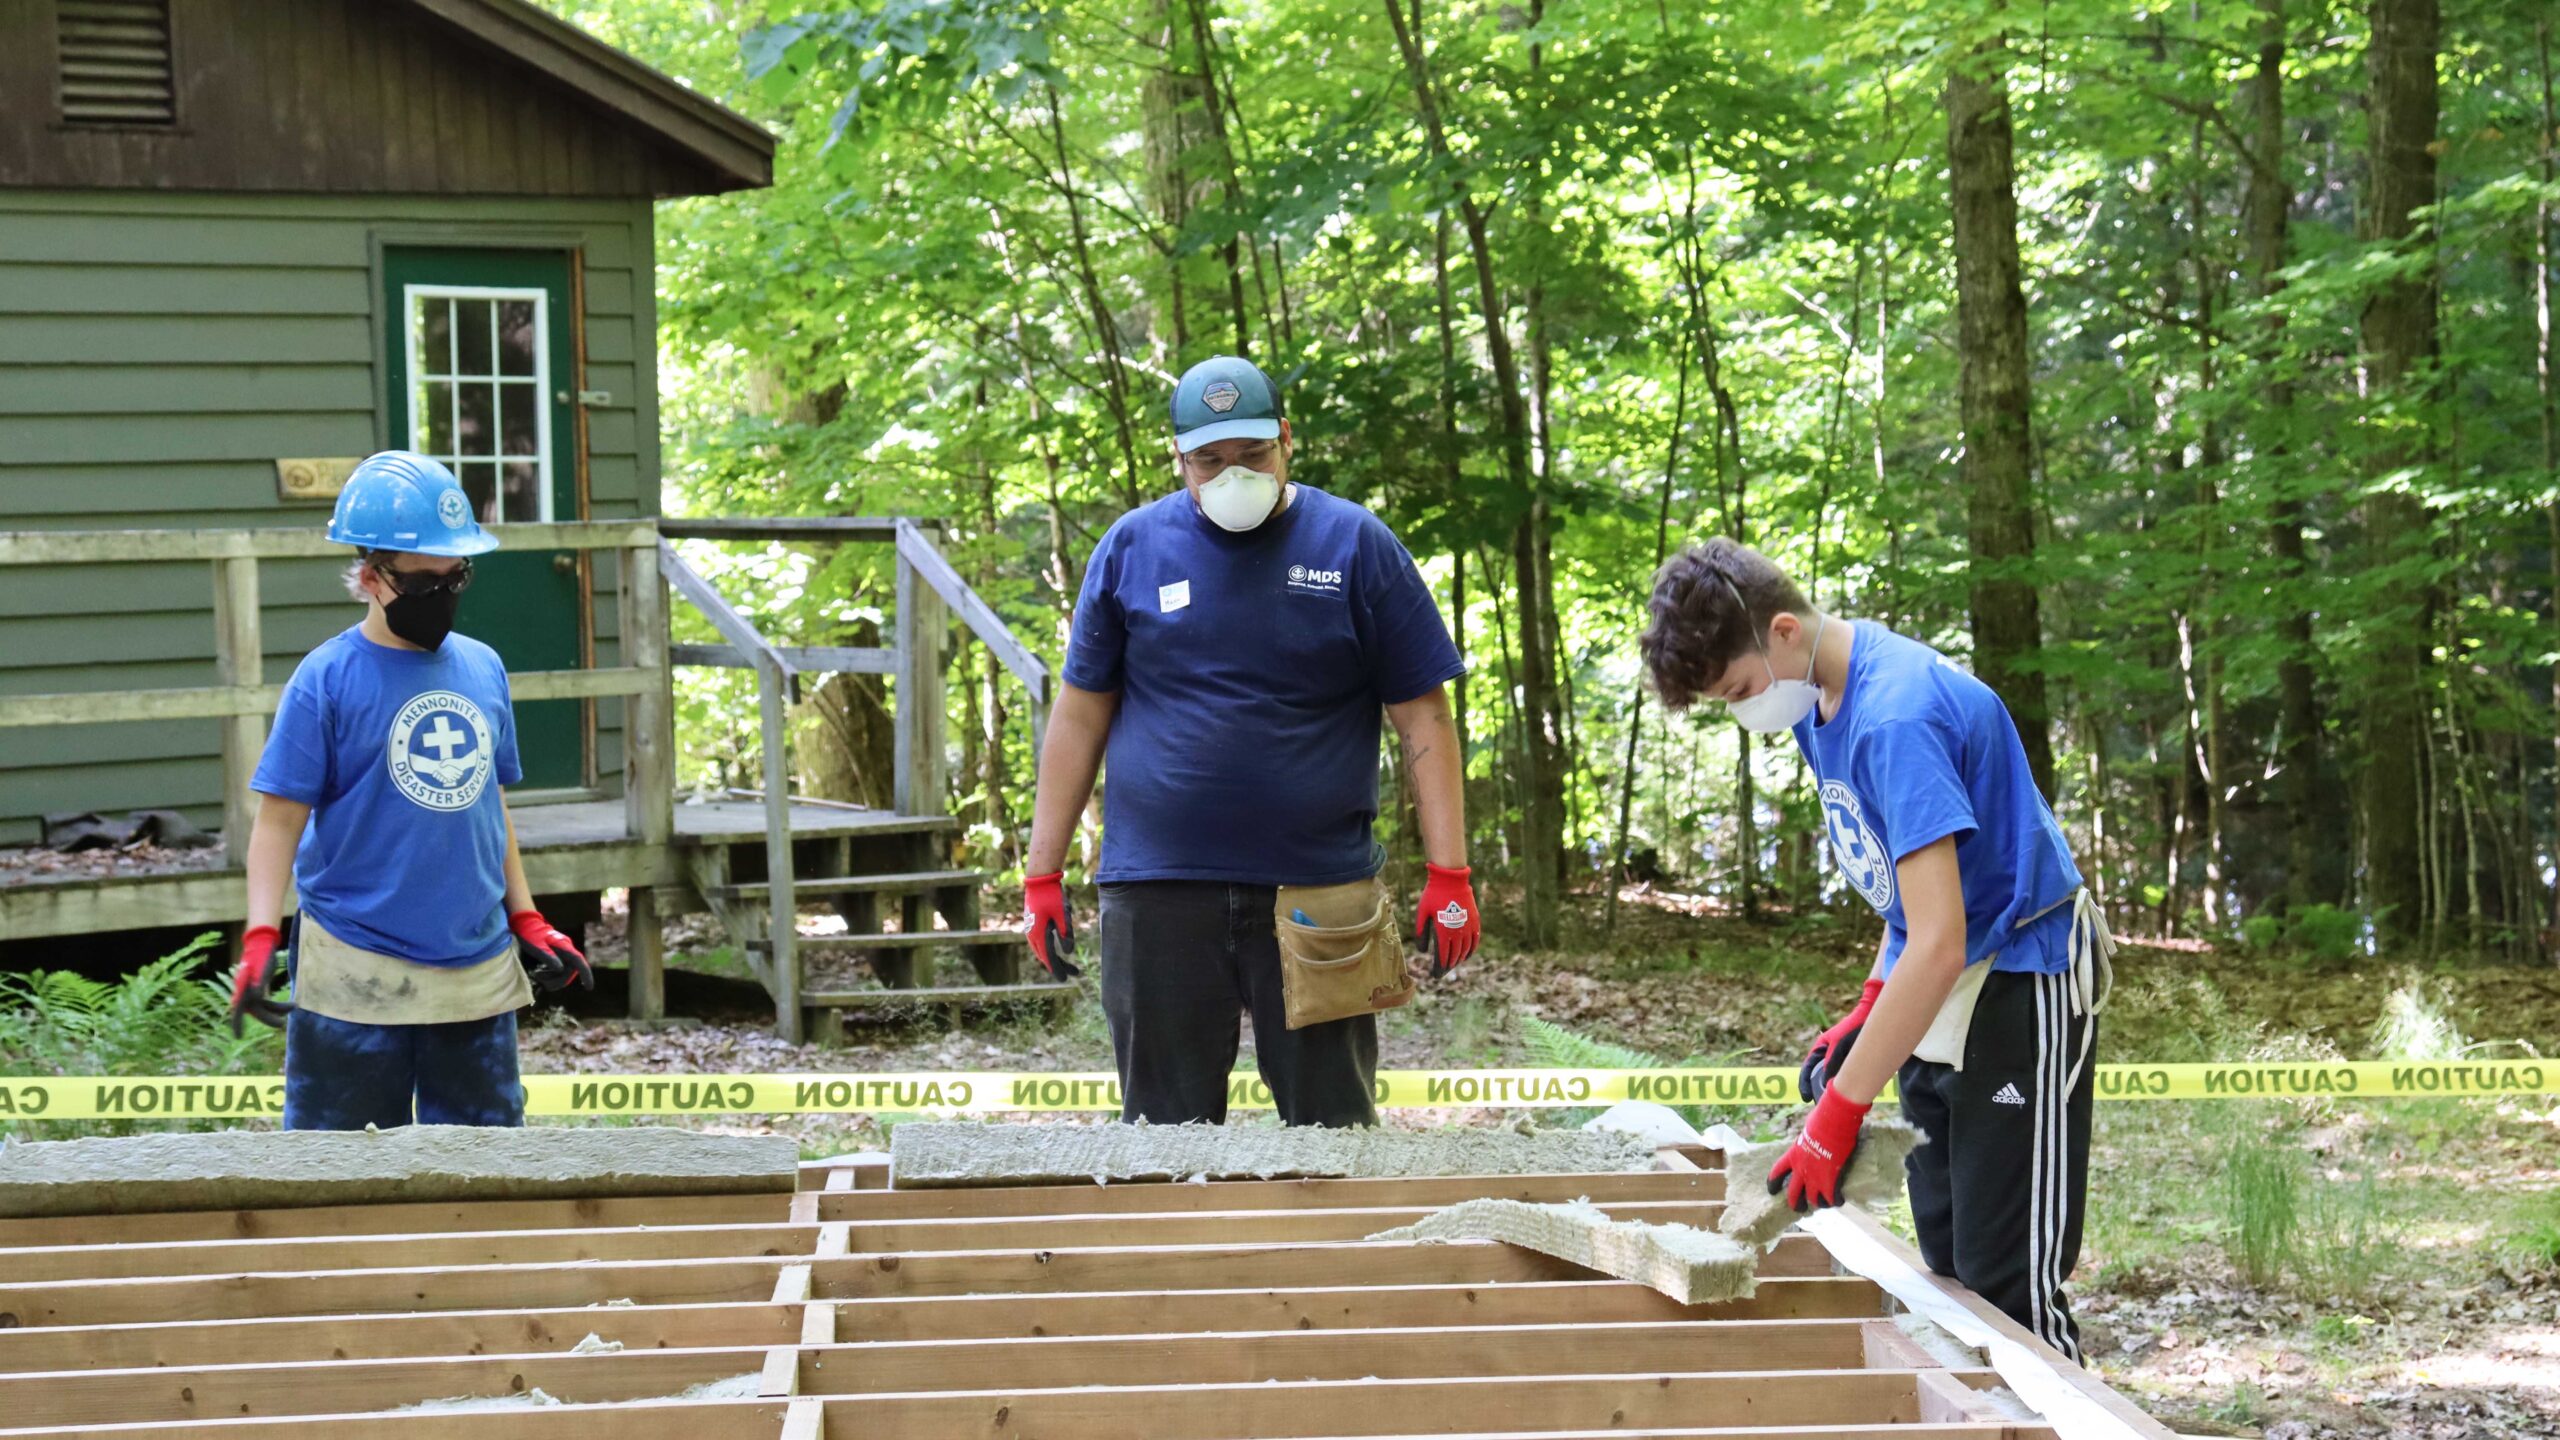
(1176, 1312)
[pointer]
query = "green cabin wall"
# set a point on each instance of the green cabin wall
(158, 353)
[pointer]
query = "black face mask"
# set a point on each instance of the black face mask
(423, 620)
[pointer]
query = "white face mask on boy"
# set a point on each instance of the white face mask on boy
(1784, 702)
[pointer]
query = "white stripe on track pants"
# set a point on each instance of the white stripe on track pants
(1998, 1192)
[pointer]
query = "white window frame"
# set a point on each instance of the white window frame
(410, 295)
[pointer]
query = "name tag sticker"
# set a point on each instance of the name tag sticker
(1175, 596)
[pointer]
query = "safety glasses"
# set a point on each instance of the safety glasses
(424, 582)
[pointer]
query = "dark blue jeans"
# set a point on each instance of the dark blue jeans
(342, 1075)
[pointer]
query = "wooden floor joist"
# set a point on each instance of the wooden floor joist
(1179, 1311)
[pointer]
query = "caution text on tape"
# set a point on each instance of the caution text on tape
(96, 1097)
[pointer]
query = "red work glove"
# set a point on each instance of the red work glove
(1449, 924)
(546, 963)
(1822, 1061)
(1810, 1171)
(253, 985)
(1051, 931)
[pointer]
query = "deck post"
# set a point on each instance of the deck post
(920, 716)
(648, 773)
(783, 927)
(239, 649)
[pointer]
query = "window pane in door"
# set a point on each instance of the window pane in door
(515, 337)
(523, 491)
(479, 432)
(435, 335)
(474, 323)
(480, 482)
(520, 420)
(435, 417)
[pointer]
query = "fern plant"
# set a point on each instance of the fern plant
(1552, 1046)
(163, 1019)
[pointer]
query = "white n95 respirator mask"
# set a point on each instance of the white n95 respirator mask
(1239, 499)
(1785, 702)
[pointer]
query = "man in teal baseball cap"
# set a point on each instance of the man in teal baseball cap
(1233, 645)
(380, 795)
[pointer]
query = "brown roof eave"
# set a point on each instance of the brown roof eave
(737, 150)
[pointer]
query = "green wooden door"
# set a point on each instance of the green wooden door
(481, 364)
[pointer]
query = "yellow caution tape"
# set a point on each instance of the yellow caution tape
(97, 1097)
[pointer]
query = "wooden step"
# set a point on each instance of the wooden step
(931, 995)
(823, 944)
(860, 884)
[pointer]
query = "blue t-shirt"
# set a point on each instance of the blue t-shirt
(1251, 668)
(1919, 751)
(399, 754)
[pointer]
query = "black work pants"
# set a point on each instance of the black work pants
(1998, 1193)
(1180, 960)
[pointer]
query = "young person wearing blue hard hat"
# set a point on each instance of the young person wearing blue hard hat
(1983, 1001)
(379, 792)
(1233, 646)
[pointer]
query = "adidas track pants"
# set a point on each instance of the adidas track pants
(1998, 1192)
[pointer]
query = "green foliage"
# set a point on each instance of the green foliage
(162, 1019)
(2261, 1209)
(2415, 1025)
(2536, 1242)
(2326, 932)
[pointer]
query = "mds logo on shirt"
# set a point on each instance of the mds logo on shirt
(1313, 581)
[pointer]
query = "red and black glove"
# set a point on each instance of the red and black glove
(1810, 1171)
(1823, 1060)
(550, 957)
(1051, 931)
(1449, 924)
(253, 985)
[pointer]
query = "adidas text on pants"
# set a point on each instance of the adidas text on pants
(1998, 1193)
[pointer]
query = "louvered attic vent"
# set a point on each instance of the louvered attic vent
(115, 65)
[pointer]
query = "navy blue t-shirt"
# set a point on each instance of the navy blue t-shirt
(1251, 668)
(1920, 750)
(399, 754)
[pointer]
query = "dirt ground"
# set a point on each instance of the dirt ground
(2423, 1302)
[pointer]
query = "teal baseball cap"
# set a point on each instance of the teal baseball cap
(1224, 397)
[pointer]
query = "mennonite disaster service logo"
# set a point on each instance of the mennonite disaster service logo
(453, 510)
(1862, 857)
(1221, 396)
(440, 754)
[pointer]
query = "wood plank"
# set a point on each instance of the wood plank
(724, 618)
(908, 939)
(782, 910)
(648, 1420)
(1398, 1353)
(94, 547)
(993, 1201)
(1387, 1407)
(282, 1255)
(240, 661)
(910, 1237)
(695, 1281)
(917, 550)
(825, 528)
(855, 884)
(932, 995)
(336, 1387)
(417, 1218)
(383, 1337)
(1143, 1312)
(806, 659)
(249, 703)
(581, 684)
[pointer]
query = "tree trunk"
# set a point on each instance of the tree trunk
(1992, 330)
(2543, 359)
(1542, 801)
(2399, 336)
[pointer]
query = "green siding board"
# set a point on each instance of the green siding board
(185, 389)
(185, 340)
(97, 440)
(42, 590)
(168, 347)
(179, 290)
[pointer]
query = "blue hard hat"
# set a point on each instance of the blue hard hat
(401, 500)
(1224, 398)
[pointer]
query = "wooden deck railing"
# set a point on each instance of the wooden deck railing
(243, 700)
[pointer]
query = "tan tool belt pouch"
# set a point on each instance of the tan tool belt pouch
(1346, 961)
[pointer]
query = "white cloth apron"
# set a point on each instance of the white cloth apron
(2093, 976)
